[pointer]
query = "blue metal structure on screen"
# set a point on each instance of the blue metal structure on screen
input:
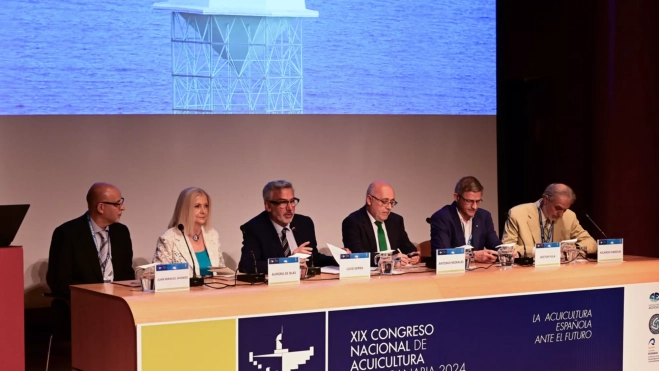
(245, 58)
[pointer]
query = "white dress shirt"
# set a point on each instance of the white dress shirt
(466, 227)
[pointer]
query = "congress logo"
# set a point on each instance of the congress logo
(654, 324)
(290, 360)
(654, 297)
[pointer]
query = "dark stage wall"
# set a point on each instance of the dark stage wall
(578, 91)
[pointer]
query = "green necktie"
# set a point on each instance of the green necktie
(382, 239)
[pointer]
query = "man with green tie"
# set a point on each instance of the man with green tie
(375, 228)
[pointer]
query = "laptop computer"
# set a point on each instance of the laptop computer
(11, 217)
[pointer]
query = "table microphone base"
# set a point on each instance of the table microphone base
(524, 261)
(313, 271)
(251, 277)
(196, 281)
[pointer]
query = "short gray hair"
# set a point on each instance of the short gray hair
(275, 185)
(558, 189)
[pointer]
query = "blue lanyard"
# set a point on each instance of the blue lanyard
(463, 232)
(545, 238)
(98, 251)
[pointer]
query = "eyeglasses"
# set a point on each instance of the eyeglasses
(283, 203)
(117, 204)
(471, 202)
(391, 203)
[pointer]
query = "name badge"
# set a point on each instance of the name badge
(548, 254)
(172, 277)
(450, 260)
(283, 270)
(609, 251)
(356, 265)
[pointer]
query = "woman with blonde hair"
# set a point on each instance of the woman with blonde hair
(193, 212)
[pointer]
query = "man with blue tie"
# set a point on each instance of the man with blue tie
(375, 227)
(464, 223)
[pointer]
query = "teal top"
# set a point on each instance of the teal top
(204, 263)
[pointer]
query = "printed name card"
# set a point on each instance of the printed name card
(283, 270)
(548, 254)
(609, 251)
(356, 265)
(172, 277)
(451, 260)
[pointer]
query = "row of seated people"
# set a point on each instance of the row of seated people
(96, 248)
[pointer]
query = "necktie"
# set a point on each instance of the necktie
(382, 239)
(284, 243)
(104, 257)
(545, 232)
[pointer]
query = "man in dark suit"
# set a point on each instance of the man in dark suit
(278, 232)
(375, 228)
(464, 223)
(93, 248)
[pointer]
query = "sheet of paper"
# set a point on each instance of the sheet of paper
(570, 241)
(225, 277)
(330, 269)
(505, 245)
(222, 271)
(301, 255)
(127, 283)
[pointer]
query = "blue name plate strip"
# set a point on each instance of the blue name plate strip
(171, 267)
(283, 260)
(547, 245)
(457, 250)
(610, 241)
(358, 255)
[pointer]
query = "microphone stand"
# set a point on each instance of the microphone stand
(194, 280)
(255, 277)
(313, 270)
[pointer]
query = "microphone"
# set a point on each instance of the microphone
(595, 224)
(594, 255)
(194, 280)
(251, 277)
(524, 260)
(432, 261)
(313, 270)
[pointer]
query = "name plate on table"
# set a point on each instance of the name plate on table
(283, 270)
(172, 277)
(450, 260)
(609, 251)
(548, 254)
(356, 265)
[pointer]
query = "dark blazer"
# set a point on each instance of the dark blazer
(358, 234)
(261, 238)
(446, 230)
(73, 258)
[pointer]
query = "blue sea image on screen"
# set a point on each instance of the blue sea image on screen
(359, 57)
